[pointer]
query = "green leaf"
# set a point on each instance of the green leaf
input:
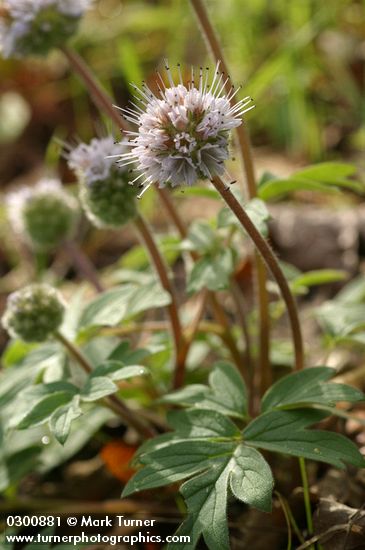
(229, 388)
(283, 432)
(120, 303)
(257, 211)
(14, 466)
(354, 291)
(128, 356)
(201, 238)
(212, 272)
(341, 319)
(251, 480)
(328, 171)
(317, 277)
(36, 404)
(309, 386)
(279, 187)
(22, 375)
(227, 393)
(15, 352)
(43, 410)
(62, 418)
(323, 177)
(116, 370)
(97, 387)
(202, 423)
(189, 395)
(206, 499)
(207, 446)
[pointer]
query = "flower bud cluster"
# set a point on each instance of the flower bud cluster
(106, 195)
(33, 27)
(33, 313)
(43, 215)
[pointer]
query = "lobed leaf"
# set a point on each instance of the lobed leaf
(283, 432)
(207, 447)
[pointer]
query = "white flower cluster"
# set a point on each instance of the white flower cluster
(31, 26)
(95, 161)
(183, 131)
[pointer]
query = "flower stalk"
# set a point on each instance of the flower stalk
(83, 265)
(244, 147)
(271, 262)
(146, 237)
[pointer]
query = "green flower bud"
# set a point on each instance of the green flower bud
(107, 197)
(33, 313)
(44, 215)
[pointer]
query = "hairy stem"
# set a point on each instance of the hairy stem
(145, 234)
(244, 147)
(101, 99)
(217, 53)
(264, 336)
(83, 265)
(271, 262)
(112, 402)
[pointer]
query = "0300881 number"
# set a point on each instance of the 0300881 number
(34, 521)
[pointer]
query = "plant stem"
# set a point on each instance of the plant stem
(83, 265)
(264, 336)
(287, 519)
(244, 147)
(101, 99)
(111, 401)
(217, 53)
(217, 310)
(145, 234)
(271, 262)
(306, 495)
(285, 504)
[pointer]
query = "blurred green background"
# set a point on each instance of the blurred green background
(303, 62)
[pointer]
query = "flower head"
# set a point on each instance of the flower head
(183, 132)
(36, 26)
(43, 215)
(33, 313)
(106, 195)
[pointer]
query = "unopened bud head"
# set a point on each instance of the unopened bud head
(105, 193)
(33, 313)
(43, 215)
